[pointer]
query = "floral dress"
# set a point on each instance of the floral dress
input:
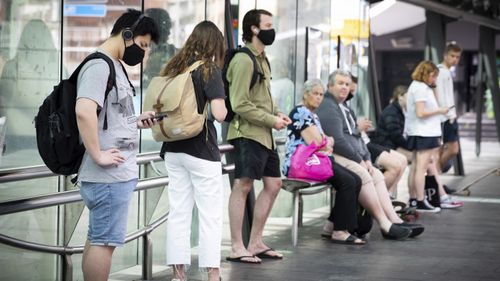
(302, 118)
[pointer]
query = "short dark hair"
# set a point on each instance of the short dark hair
(252, 18)
(452, 47)
(162, 20)
(145, 26)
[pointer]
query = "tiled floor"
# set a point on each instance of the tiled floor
(456, 245)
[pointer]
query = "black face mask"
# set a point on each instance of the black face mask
(267, 36)
(133, 54)
(349, 96)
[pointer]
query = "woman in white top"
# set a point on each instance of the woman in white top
(423, 124)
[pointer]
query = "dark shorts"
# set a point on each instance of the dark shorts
(253, 160)
(375, 151)
(416, 143)
(450, 131)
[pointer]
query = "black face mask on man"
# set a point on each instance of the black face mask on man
(133, 54)
(266, 36)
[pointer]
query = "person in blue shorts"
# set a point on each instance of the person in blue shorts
(108, 173)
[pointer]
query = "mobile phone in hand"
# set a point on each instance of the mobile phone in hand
(160, 116)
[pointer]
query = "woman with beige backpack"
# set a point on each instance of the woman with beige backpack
(194, 164)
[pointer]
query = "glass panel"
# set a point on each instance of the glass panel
(282, 54)
(215, 13)
(29, 68)
(36, 226)
(351, 30)
(29, 63)
(313, 43)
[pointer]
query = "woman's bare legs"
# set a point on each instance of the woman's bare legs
(394, 164)
(368, 198)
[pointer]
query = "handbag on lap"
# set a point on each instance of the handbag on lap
(310, 164)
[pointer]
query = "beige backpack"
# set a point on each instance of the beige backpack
(175, 99)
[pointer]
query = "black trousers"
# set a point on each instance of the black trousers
(347, 184)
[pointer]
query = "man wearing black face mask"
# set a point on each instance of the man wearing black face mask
(250, 132)
(108, 173)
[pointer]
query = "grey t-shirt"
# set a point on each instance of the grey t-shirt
(122, 123)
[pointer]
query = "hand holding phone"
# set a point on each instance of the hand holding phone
(159, 116)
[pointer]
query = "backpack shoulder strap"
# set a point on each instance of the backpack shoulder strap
(126, 75)
(268, 64)
(255, 73)
(112, 74)
(111, 77)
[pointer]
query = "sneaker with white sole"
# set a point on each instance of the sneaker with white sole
(448, 203)
(425, 207)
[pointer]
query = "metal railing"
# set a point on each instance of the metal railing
(62, 198)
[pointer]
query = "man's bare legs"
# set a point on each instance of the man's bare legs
(262, 208)
(96, 262)
(237, 203)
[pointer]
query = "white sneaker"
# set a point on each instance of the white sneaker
(448, 203)
(425, 207)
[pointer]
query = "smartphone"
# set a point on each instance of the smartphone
(160, 116)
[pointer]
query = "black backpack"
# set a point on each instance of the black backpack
(57, 135)
(256, 74)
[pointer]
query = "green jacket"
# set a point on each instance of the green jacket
(254, 109)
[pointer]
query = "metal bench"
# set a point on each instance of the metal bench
(299, 187)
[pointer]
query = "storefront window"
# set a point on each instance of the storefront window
(349, 35)
(30, 61)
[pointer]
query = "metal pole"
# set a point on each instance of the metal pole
(488, 56)
(479, 103)
(147, 257)
(67, 267)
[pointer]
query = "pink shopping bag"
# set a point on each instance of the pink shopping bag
(308, 163)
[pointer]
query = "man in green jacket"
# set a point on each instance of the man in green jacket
(250, 132)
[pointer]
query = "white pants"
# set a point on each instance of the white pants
(194, 180)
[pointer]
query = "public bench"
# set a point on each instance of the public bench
(298, 188)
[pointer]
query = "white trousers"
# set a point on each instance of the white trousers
(194, 180)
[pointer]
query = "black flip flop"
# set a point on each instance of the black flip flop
(264, 255)
(240, 259)
(351, 240)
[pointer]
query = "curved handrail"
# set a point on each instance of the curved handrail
(69, 250)
(41, 171)
(55, 199)
(61, 198)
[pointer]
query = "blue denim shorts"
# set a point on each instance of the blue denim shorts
(108, 210)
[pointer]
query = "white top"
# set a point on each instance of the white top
(422, 127)
(446, 95)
